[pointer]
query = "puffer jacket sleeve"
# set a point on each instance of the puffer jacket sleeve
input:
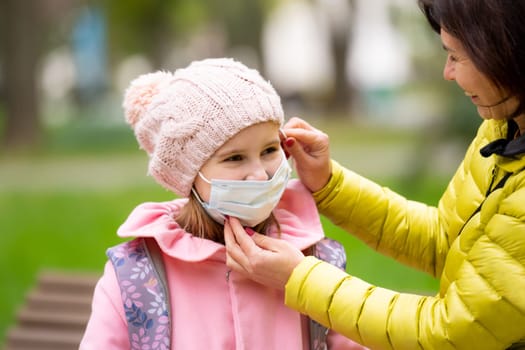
(354, 308)
(107, 328)
(408, 231)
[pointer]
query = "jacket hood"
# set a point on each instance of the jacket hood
(296, 212)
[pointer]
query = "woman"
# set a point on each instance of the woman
(473, 241)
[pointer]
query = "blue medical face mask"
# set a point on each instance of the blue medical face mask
(251, 201)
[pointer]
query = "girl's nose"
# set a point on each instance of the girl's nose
(258, 172)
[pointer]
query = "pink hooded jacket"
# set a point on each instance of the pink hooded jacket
(211, 307)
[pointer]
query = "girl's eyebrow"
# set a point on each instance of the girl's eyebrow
(226, 153)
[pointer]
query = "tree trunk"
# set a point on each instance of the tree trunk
(340, 43)
(22, 36)
(343, 94)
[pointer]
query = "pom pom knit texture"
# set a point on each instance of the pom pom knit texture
(181, 119)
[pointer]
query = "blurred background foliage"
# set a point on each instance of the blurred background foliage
(368, 72)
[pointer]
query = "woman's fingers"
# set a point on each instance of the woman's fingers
(296, 122)
(264, 259)
(310, 149)
(236, 258)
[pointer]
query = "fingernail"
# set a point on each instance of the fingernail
(249, 231)
(289, 142)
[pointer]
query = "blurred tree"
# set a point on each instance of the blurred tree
(21, 26)
(243, 22)
(153, 27)
(340, 20)
(25, 28)
(88, 42)
(147, 27)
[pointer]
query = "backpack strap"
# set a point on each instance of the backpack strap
(332, 252)
(141, 278)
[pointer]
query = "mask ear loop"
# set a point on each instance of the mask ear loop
(194, 190)
(204, 178)
(196, 194)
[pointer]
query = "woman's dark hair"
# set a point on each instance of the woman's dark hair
(492, 33)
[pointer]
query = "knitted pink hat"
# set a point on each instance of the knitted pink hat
(181, 119)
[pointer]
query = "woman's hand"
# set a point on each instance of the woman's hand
(263, 259)
(310, 149)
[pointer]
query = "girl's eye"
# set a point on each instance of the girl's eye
(270, 150)
(452, 58)
(234, 158)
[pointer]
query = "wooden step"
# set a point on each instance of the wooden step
(42, 339)
(64, 320)
(55, 313)
(75, 284)
(63, 301)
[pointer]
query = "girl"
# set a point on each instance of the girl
(212, 135)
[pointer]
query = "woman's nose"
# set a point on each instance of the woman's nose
(449, 71)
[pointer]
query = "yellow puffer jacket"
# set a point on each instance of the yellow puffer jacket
(479, 256)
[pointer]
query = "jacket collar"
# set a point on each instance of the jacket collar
(508, 146)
